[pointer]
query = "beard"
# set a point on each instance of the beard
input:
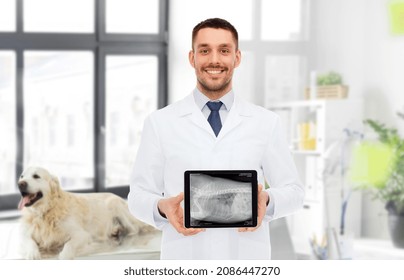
(215, 85)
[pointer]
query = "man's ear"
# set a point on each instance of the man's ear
(191, 57)
(238, 58)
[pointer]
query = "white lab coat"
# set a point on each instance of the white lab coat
(178, 138)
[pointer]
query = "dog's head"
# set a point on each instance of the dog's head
(35, 184)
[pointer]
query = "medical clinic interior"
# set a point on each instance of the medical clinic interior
(78, 78)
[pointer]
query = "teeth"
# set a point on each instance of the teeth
(214, 71)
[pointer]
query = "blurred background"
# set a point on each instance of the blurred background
(78, 78)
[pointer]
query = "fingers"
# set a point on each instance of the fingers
(179, 198)
(190, 231)
(176, 218)
(179, 227)
(251, 229)
(262, 198)
(247, 229)
(184, 231)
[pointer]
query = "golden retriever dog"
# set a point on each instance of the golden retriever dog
(65, 225)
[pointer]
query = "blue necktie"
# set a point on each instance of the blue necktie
(214, 117)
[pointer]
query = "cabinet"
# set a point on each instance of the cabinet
(323, 169)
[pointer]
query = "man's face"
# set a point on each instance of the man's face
(214, 57)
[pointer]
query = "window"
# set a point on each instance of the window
(132, 16)
(284, 78)
(281, 40)
(281, 20)
(74, 93)
(7, 15)
(56, 16)
(7, 122)
(129, 101)
(59, 114)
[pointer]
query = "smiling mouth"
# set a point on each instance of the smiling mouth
(214, 72)
(29, 199)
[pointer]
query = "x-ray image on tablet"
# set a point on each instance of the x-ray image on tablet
(225, 198)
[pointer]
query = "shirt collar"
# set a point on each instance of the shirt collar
(201, 99)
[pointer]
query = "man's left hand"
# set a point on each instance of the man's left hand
(263, 199)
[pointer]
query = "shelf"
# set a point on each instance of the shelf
(312, 103)
(296, 104)
(306, 153)
(323, 194)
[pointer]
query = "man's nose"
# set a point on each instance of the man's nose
(214, 57)
(22, 185)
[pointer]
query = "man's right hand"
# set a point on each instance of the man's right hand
(171, 208)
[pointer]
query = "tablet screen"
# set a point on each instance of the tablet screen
(220, 198)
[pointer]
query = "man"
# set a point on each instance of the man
(212, 128)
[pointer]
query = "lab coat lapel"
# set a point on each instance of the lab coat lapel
(235, 117)
(189, 109)
(239, 110)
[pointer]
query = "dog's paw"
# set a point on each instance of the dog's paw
(67, 253)
(31, 254)
(29, 250)
(65, 256)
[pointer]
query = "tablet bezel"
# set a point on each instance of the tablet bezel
(219, 173)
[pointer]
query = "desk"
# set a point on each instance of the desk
(10, 244)
(376, 249)
(368, 249)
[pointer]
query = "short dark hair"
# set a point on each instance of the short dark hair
(216, 23)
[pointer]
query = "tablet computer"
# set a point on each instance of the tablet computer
(220, 198)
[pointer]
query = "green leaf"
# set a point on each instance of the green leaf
(331, 78)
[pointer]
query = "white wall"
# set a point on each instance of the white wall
(384, 84)
(353, 39)
(339, 40)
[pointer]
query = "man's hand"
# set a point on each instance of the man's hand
(171, 208)
(263, 198)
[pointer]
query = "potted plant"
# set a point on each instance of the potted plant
(391, 190)
(329, 86)
(328, 79)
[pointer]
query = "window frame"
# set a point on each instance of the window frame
(101, 44)
(162, 99)
(262, 48)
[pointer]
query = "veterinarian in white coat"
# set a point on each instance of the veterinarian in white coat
(179, 137)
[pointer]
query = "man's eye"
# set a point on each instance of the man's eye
(36, 176)
(225, 51)
(204, 51)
